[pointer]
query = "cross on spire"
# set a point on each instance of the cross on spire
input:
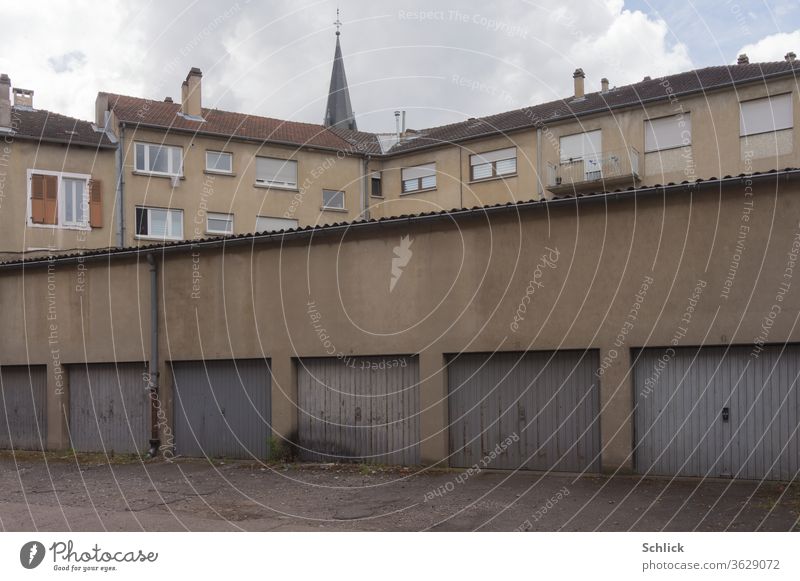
(338, 23)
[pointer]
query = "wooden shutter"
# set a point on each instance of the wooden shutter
(95, 203)
(37, 199)
(50, 199)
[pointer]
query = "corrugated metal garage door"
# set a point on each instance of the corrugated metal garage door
(359, 409)
(23, 407)
(109, 407)
(714, 412)
(548, 400)
(222, 408)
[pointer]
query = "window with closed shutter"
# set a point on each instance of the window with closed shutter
(765, 115)
(44, 199)
(276, 173)
(95, 203)
(419, 177)
(493, 164)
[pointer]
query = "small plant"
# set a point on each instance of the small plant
(279, 450)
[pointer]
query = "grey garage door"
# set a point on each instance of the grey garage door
(715, 411)
(359, 409)
(222, 408)
(109, 407)
(23, 407)
(542, 405)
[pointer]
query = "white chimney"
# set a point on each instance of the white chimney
(5, 102)
(578, 76)
(191, 100)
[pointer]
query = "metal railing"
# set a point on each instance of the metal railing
(606, 165)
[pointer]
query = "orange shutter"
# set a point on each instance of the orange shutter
(50, 199)
(95, 203)
(37, 199)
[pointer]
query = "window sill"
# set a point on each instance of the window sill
(426, 190)
(60, 227)
(212, 172)
(269, 187)
(148, 174)
(774, 132)
(328, 209)
(493, 178)
(210, 233)
(673, 148)
(156, 238)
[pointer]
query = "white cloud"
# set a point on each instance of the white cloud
(459, 59)
(773, 47)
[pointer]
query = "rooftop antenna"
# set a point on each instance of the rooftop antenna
(338, 23)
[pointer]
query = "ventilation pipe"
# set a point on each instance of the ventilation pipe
(5, 102)
(397, 124)
(403, 132)
(155, 441)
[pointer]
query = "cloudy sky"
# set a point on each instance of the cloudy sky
(440, 61)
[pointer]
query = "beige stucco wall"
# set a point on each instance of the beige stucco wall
(459, 292)
(17, 156)
(201, 191)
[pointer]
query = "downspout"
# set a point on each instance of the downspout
(365, 186)
(155, 441)
(120, 201)
(539, 186)
(460, 177)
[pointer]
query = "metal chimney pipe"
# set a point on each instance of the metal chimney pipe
(397, 124)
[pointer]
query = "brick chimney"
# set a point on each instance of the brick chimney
(5, 102)
(191, 102)
(578, 76)
(743, 60)
(604, 85)
(23, 98)
(790, 56)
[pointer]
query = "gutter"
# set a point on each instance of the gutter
(251, 239)
(155, 441)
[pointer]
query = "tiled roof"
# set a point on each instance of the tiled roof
(225, 123)
(698, 80)
(315, 231)
(40, 125)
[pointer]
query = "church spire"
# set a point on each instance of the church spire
(339, 111)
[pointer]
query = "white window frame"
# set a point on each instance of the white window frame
(682, 128)
(171, 171)
(294, 224)
(148, 236)
(277, 184)
(344, 199)
(491, 159)
(218, 216)
(62, 224)
(757, 128)
(228, 154)
(420, 187)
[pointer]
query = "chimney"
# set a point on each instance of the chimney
(604, 85)
(743, 60)
(168, 100)
(397, 124)
(5, 102)
(790, 56)
(23, 98)
(191, 102)
(578, 77)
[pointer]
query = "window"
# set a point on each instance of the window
(276, 173)
(667, 132)
(64, 200)
(159, 159)
(219, 161)
(159, 223)
(417, 178)
(581, 146)
(219, 223)
(376, 186)
(332, 199)
(270, 224)
(493, 164)
(765, 115)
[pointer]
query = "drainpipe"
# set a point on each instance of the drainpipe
(155, 441)
(365, 186)
(120, 188)
(539, 187)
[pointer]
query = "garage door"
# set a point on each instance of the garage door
(222, 408)
(715, 412)
(109, 407)
(533, 410)
(23, 407)
(361, 409)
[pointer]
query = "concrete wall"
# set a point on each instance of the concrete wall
(623, 275)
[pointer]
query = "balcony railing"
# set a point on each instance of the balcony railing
(607, 167)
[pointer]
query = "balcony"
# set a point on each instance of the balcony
(601, 171)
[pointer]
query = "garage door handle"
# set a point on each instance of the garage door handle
(726, 414)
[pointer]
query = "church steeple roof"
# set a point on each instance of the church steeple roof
(339, 111)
